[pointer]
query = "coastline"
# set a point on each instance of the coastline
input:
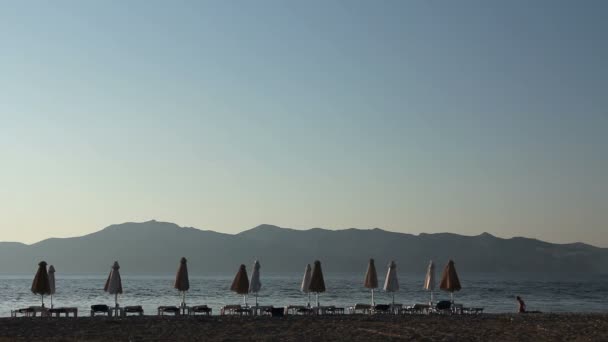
(485, 327)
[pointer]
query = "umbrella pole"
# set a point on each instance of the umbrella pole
(317, 294)
(393, 299)
(308, 299)
(256, 299)
(452, 295)
(42, 299)
(51, 301)
(373, 303)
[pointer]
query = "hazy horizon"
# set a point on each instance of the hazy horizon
(410, 116)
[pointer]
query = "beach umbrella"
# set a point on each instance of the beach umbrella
(371, 278)
(40, 285)
(255, 285)
(391, 283)
(305, 287)
(240, 284)
(317, 283)
(449, 279)
(114, 283)
(182, 282)
(429, 280)
(52, 282)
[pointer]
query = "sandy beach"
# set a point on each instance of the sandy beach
(487, 327)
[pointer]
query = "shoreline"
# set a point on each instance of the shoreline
(484, 327)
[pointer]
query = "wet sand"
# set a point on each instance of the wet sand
(487, 327)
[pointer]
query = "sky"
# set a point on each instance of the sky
(412, 116)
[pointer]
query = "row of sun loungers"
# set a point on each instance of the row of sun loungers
(443, 307)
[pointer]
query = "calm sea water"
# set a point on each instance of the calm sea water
(494, 292)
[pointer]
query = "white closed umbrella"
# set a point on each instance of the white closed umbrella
(305, 287)
(391, 283)
(429, 280)
(255, 285)
(114, 283)
(52, 282)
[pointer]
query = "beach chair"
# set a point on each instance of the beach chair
(443, 307)
(382, 309)
(24, 312)
(275, 312)
(66, 311)
(360, 308)
(135, 310)
(332, 310)
(472, 311)
(168, 310)
(293, 309)
(418, 309)
(235, 310)
(200, 309)
(101, 309)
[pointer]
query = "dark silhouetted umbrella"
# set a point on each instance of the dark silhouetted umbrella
(305, 287)
(40, 285)
(391, 283)
(52, 282)
(114, 283)
(182, 282)
(240, 284)
(429, 280)
(255, 285)
(449, 279)
(317, 283)
(371, 278)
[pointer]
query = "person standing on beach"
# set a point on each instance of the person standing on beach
(522, 304)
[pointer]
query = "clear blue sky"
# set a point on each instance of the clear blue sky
(413, 116)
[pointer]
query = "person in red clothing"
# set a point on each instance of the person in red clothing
(522, 304)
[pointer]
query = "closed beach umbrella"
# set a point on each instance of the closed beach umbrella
(317, 283)
(391, 283)
(255, 285)
(305, 287)
(240, 284)
(449, 279)
(52, 282)
(182, 282)
(371, 278)
(40, 285)
(114, 283)
(429, 280)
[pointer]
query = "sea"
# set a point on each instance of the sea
(494, 292)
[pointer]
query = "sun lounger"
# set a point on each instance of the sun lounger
(31, 311)
(199, 309)
(293, 309)
(168, 310)
(275, 312)
(235, 310)
(472, 311)
(101, 309)
(360, 308)
(332, 310)
(443, 307)
(417, 309)
(328, 310)
(67, 311)
(260, 309)
(305, 311)
(382, 309)
(136, 310)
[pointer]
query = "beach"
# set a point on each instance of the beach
(485, 327)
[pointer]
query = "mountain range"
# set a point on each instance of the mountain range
(155, 248)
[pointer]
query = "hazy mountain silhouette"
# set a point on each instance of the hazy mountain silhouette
(156, 247)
